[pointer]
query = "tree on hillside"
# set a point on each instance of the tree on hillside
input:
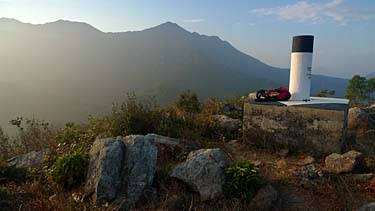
(188, 101)
(357, 89)
(371, 89)
(326, 93)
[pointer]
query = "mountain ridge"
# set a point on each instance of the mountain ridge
(74, 69)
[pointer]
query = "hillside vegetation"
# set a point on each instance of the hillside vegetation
(59, 184)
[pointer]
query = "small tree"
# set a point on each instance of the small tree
(326, 93)
(357, 89)
(188, 101)
(371, 89)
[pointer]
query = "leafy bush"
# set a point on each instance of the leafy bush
(33, 134)
(243, 179)
(70, 170)
(134, 117)
(188, 101)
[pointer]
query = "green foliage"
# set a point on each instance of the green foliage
(371, 89)
(188, 101)
(243, 179)
(33, 134)
(134, 117)
(326, 93)
(357, 89)
(70, 169)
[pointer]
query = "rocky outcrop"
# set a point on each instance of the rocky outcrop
(104, 177)
(120, 169)
(204, 172)
(351, 161)
(226, 122)
(32, 159)
(267, 198)
(140, 166)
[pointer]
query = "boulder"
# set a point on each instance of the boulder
(104, 178)
(267, 198)
(204, 172)
(226, 122)
(351, 161)
(32, 159)
(120, 170)
(140, 166)
(367, 207)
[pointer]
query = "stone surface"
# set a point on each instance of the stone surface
(204, 172)
(299, 129)
(227, 122)
(32, 159)
(367, 207)
(351, 161)
(267, 198)
(140, 166)
(361, 119)
(120, 170)
(104, 178)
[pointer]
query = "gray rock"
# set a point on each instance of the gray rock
(226, 122)
(32, 159)
(120, 170)
(204, 172)
(367, 207)
(141, 157)
(104, 178)
(267, 198)
(351, 161)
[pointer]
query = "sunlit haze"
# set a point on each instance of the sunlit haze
(344, 29)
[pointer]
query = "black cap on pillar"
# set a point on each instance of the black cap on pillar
(303, 43)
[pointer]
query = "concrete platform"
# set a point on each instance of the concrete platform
(316, 127)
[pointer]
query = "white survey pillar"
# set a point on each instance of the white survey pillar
(300, 67)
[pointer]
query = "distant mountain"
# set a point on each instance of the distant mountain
(65, 70)
(370, 75)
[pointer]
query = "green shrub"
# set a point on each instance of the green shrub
(243, 179)
(33, 134)
(134, 117)
(188, 101)
(70, 170)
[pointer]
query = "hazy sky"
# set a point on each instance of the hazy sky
(344, 29)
